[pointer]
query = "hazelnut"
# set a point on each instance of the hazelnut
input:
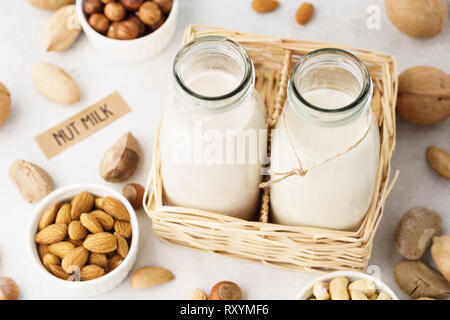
(115, 11)
(226, 290)
(158, 24)
(92, 6)
(106, 1)
(132, 5)
(164, 5)
(99, 22)
(112, 30)
(149, 13)
(134, 193)
(8, 289)
(142, 26)
(124, 30)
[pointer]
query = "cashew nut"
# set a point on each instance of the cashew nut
(338, 289)
(384, 296)
(358, 295)
(320, 291)
(365, 286)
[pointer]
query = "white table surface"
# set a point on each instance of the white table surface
(145, 86)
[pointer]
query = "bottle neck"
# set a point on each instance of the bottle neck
(336, 72)
(212, 75)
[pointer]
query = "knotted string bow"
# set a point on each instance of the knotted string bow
(300, 171)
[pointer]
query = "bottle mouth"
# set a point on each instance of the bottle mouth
(211, 53)
(334, 69)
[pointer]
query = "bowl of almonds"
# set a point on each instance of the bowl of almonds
(347, 285)
(84, 239)
(128, 30)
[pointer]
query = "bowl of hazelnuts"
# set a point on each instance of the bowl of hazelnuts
(128, 30)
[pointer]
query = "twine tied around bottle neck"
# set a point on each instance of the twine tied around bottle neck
(300, 171)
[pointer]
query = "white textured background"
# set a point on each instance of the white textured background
(145, 86)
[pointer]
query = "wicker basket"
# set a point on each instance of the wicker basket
(295, 248)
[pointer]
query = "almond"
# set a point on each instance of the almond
(197, 294)
(49, 216)
(439, 161)
(50, 259)
(63, 215)
(54, 83)
(43, 250)
(83, 202)
(76, 243)
(77, 231)
(90, 223)
(51, 234)
(75, 260)
(122, 245)
(147, 277)
(304, 13)
(8, 289)
(113, 207)
(263, 6)
(98, 259)
(105, 219)
(61, 30)
(123, 228)
(114, 262)
(102, 242)
(58, 272)
(61, 249)
(91, 272)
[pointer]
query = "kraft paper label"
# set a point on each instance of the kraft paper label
(82, 125)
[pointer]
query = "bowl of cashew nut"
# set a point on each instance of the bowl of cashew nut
(347, 285)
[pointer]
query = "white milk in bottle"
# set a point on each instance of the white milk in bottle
(328, 131)
(211, 151)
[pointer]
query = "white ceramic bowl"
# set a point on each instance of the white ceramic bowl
(92, 287)
(306, 292)
(135, 50)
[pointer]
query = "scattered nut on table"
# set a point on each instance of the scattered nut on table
(134, 193)
(417, 279)
(415, 231)
(33, 182)
(121, 160)
(5, 104)
(8, 289)
(226, 290)
(197, 294)
(440, 251)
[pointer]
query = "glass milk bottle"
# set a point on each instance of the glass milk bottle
(211, 135)
(326, 147)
